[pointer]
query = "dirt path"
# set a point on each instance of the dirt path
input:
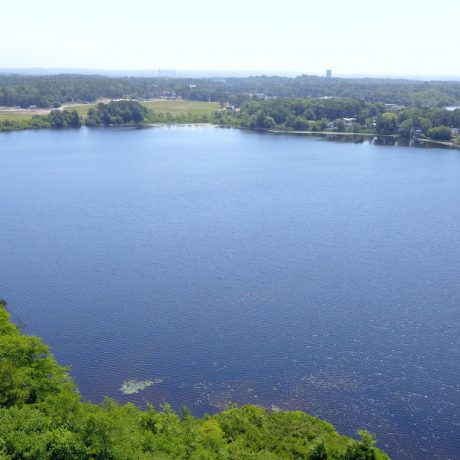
(19, 111)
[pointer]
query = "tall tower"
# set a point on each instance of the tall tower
(328, 73)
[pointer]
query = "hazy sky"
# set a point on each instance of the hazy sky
(350, 36)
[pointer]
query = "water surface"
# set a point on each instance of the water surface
(233, 266)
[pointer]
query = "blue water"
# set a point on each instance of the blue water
(278, 270)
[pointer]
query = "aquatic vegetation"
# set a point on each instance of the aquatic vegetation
(133, 386)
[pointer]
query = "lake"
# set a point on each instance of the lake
(225, 265)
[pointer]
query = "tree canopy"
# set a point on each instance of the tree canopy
(343, 115)
(51, 91)
(117, 113)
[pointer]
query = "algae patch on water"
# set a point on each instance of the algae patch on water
(133, 386)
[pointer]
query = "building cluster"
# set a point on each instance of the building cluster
(164, 94)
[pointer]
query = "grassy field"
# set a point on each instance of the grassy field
(174, 107)
(14, 116)
(81, 109)
(181, 107)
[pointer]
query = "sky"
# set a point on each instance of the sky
(391, 37)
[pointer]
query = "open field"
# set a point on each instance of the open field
(14, 116)
(178, 107)
(13, 113)
(82, 109)
(174, 107)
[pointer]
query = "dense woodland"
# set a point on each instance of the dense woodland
(42, 417)
(55, 90)
(343, 115)
(117, 113)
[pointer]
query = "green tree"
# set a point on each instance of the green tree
(363, 449)
(318, 451)
(75, 121)
(440, 133)
(339, 125)
(387, 123)
(406, 128)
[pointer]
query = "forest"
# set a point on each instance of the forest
(42, 416)
(344, 115)
(54, 90)
(116, 113)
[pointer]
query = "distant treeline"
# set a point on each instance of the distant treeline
(301, 114)
(287, 114)
(55, 90)
(342, 115)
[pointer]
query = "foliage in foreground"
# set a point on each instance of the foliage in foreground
(42, 417)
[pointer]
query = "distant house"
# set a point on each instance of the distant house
(393, 107)
(258, 96)
(231, 108)
(348, 122)
(456, 132)
(167, 94)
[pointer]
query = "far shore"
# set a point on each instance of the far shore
(416, 142)
(444, 143)
(452, 145)
(310, 133)
(329, 133)
(184, 124)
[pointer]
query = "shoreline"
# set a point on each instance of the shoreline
(416, 142)
(160, 125)
(443, 143)
(451, 145)
(327, 133)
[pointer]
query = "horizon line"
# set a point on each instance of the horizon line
(215, 73)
